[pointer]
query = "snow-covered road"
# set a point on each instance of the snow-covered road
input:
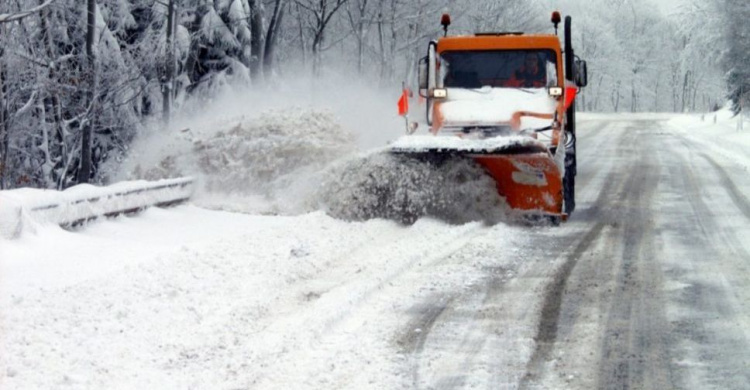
(645, 287)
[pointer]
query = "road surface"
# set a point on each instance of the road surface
(648, 290)
(645, 287)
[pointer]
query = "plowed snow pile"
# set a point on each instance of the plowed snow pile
(383, 185)
(264, 164)
(250, 154)
(254, 155)
(296, 161)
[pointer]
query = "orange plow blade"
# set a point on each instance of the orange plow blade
(529, 182)
(525, 172)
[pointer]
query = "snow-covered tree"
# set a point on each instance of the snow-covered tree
(736, 60)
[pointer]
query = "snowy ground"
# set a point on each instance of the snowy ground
(646, 286)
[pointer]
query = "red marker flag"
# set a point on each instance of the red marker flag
(403, 103)
(570, 95)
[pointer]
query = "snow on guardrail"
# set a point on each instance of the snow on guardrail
(85, 202)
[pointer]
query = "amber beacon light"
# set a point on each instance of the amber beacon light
(445, 21)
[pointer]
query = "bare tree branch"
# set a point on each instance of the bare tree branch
(6, 18)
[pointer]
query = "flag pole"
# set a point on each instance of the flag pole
(405, 98)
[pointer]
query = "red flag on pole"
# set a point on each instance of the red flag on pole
(570, 95)
(403, 103)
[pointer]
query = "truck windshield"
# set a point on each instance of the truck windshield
(499, 68)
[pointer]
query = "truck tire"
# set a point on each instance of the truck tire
(569, 187)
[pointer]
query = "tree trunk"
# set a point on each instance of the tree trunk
(362, 8)
(167, 88)
(696, 82)
(85, 168)
(47, 165)
(256, 40)
(394, 42)
(317, 42)
(381, 45)
(195, 46)
(616, 97)
(684, 90)
(598, 88)
(302, 42)
(271, 34)
(633, 95)
(411, 58)
(59, 175)
(4, 136)
(322, 12)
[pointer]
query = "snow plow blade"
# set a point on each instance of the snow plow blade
(523, 169)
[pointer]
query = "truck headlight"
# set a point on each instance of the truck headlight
(440, 93)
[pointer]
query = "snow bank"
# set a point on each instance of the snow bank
(721, 134)
(27, 207)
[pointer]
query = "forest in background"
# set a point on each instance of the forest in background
(79, 80)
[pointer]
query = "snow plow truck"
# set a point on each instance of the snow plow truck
(505, 100)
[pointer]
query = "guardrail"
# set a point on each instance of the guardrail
(83, 203)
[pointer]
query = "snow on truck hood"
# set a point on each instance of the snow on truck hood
(488, 105)
(419, 143)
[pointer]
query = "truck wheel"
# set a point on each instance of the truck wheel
(569, 184)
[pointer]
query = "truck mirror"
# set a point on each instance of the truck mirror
(582, 78)
(431, 65)
(431, 78)
(422, 70)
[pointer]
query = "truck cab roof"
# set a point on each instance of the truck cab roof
(499, 41)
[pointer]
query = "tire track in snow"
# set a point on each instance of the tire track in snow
(546, 335)
(453, 245)
(486, 301)
(547, 328)
(635, 347)
(413, 340)
(449, 351)
(631, 335)
(550, 314)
